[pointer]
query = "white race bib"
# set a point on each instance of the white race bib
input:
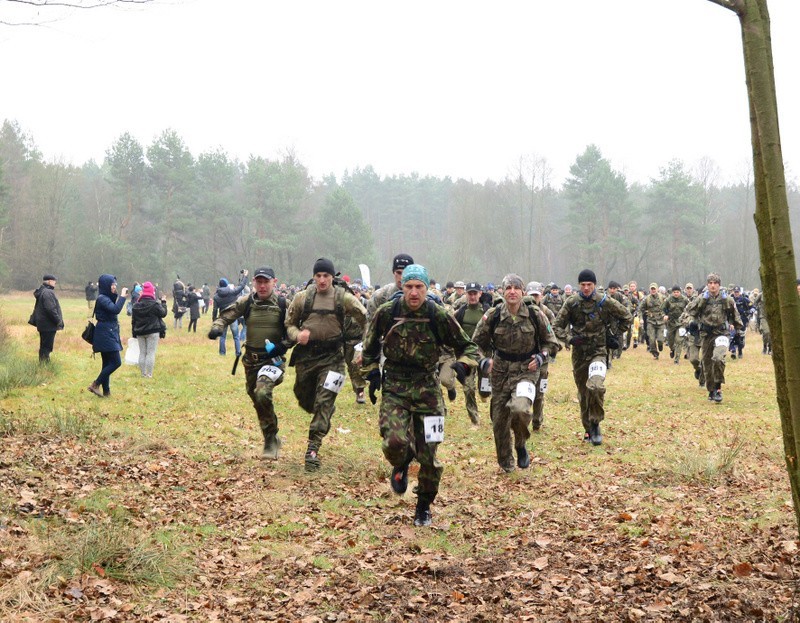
(334, 381)
(597, 368)
(486, 385)
(271, 372)
(681, 331)
(526, 389)
(434, 428)
(722, 340)
(665, 332)
(359, 347)
(542, 385)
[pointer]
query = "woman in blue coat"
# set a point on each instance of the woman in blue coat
(106, 333)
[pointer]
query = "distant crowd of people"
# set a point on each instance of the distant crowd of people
(411, 340)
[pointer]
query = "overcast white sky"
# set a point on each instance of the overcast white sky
(459, 88)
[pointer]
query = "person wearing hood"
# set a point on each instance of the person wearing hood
(224, 297)
(47, 316)
(148, 326)
(106, 333)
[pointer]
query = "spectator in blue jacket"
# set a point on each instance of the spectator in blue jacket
(224, 297)
(106, 333)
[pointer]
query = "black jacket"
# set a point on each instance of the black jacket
(47, 311)
(146, 317)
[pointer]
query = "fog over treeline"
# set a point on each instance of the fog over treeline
(154, 211)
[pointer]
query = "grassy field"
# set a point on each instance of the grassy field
(154, 506)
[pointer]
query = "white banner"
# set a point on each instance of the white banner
(365, 278)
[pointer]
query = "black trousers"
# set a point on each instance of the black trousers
(46, 341)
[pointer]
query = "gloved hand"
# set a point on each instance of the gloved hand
(484, 365)
(374, 378)
(214, 333)
(539, 359)
(278, 349)
(612, 342)
(693, 328)
(461, 371)
(577, 340)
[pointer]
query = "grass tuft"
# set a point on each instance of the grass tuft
(709, 467)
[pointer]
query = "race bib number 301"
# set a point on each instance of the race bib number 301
(597, 368)
(434, 428)
(333, 381)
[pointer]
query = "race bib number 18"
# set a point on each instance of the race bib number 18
(434, 428)
(334, 381)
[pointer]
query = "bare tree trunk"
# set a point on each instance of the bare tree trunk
(778, 271)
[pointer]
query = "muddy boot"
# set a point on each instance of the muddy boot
(312, 459)
(272, 446)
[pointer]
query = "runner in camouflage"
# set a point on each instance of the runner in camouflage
(411, 331)
(518, 340)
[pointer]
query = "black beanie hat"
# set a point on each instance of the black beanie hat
(323, 265)
(401, 260)
(587, 275)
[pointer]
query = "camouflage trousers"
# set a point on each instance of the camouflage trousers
(538, 403)
(510, 412)
(354, 370)
(591, 390)
(713, 362)
(675, 341)
(766, 336)
(260, 391)
(313, 397)
(693, 348)
(469, 395)
(655, 336)
(405, 401)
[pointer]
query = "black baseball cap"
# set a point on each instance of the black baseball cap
(264, 271)
(473, 287)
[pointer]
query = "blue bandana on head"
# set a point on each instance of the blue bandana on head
(416, 271)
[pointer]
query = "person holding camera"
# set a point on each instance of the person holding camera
(583, 324)
(224, 297)
(148, 326)
(106, 340)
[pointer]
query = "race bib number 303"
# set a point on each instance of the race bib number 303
(722, 340)
(434, 428)
(333, 381)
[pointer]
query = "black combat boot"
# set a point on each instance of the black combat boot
(399, 480)
(594, 434)
(422, 516)
(523, 458)
(312, 458)
(451, 394)
(271, 447)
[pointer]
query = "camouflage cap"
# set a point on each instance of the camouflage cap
(533, 287)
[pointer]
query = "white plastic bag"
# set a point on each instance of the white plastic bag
(132, 353)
